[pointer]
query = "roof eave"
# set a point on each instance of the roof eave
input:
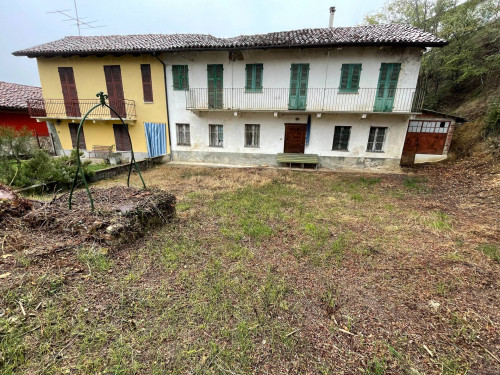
(232, 48)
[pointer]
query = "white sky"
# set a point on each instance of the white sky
(26, 23)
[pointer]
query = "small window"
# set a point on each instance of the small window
(376, 139)
(341, 138)
(216, 136)
(349, 77)
(147, 84)
(254, 77)
(180, 77)
(252, 135)
(183, 135)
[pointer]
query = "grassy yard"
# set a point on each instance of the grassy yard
(273, 271)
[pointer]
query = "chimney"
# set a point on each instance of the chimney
(332, 14)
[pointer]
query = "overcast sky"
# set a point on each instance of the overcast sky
(26, 23)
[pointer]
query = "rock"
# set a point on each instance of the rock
(115, 229)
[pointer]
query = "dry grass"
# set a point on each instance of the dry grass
(274, 271)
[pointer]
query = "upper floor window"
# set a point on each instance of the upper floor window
(254, 77)
(341, 138)
(147, 83)
(349, 77)
(216, 136)
(376, 139)
(183, 135)
(252, 135)
(180, 77)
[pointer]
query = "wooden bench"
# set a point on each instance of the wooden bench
(298, 159)
(101, 152)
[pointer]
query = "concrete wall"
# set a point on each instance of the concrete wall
(89, 79)
(325, 69)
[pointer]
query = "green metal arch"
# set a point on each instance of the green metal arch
(102, 103)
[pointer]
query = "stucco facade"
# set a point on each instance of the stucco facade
(324, 73)
(90, 79)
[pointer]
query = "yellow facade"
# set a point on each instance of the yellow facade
(89, 80)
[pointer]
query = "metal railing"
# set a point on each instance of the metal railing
(327, 100)
(60, 108)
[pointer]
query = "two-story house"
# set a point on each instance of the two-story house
(344, 93)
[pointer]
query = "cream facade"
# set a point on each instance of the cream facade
(326, 107)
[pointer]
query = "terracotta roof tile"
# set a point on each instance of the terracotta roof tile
(359, 35)
(13, 95)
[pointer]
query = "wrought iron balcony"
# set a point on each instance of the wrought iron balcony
(75, 109)
(402, 100)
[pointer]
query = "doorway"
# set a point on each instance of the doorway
(295, 138)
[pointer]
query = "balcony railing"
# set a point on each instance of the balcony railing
(75, 109)
(325, 100)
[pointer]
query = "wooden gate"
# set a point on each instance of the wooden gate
(424, 137)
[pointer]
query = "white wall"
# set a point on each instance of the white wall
(324, 72)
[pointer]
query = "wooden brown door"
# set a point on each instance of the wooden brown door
(73, 131)
(69, 92)
(114, 86)
(295, 138)
(122, 141)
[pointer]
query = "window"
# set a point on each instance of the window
(180, 77)
(216, 136)
(122, 141)
(183, 136)
(349, 77)
(252, 135)
(376, 139)
(254, 77)
(341, 138)
(147, 83)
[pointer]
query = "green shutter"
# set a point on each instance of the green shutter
(215, 85)
(299, 74)
(349, 77)
(253, 80)
(180, 77)
(386, 89)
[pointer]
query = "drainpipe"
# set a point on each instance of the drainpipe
(166, 103)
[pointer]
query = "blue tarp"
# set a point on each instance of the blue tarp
(156, 137)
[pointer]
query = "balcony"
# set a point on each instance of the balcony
(398, 100)
(76, 109)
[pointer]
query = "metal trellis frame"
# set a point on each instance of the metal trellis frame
(102, 102)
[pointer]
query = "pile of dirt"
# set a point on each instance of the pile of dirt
(121, 214)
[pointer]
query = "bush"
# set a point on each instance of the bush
(41, 168)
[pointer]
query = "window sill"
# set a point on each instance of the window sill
(216, 146)
(348, 92)
(247, 91)
(252, 146)
(341, 150)
(183, 144)
(375, 152)
(149, 102)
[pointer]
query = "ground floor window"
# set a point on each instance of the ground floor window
(341, 138)
(122, 141)
(252, 135)
(376, 139)
(216, 136)
(183, 135)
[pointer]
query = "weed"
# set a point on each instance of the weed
(96, 259)
(357, 197)
(451, 366)
(416, 184)
(375, 367)
(370, 181)
(491, 250)
(439, 221)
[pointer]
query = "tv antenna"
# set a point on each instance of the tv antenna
(80, 24)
